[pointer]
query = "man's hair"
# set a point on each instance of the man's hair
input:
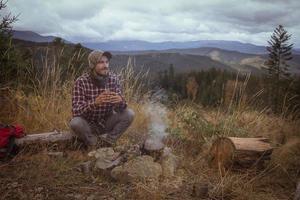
(107, 54)
(95, 56)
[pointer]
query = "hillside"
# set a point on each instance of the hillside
(161, 61)
(183, 60)
(154, 62)
(31, 36)
(234, 59)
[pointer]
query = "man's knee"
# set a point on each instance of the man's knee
(129, 114)
(77, 123)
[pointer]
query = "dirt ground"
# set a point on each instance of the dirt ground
(33, 174)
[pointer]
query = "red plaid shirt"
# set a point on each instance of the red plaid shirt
(85, 93)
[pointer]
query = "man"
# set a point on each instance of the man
(99, 109)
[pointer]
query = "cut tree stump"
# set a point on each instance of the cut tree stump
(234, 152)
(49, 137)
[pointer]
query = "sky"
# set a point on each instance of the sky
(249, 21)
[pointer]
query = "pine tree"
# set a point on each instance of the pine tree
(280, 51)
(9, 57)
(171, 76)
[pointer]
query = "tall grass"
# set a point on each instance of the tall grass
(197, 127)
(47, 106)
(135, 84)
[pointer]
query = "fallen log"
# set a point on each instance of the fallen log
(44, 138)
(234, 152)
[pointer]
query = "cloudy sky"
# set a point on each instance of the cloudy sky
(158, 20)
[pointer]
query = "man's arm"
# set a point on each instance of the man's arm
(80, 105)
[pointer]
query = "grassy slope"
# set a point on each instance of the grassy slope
(35, 175)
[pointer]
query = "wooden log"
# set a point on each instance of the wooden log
(228, 152)
(44, 138)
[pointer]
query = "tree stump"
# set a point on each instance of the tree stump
(234, 152)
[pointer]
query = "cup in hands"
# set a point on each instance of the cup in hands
(108, 97)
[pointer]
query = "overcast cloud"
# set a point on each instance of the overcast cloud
(158, 20)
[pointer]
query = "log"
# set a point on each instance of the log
(234, 152)
(44, 138)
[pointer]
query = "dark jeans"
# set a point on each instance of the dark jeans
(115, 126)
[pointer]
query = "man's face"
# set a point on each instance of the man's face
(102, 66)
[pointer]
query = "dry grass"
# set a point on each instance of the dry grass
(48, 105)
(192, 129)
(35, 175)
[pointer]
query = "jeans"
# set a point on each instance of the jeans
(115, 126)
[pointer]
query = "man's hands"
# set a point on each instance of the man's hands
(108, 97)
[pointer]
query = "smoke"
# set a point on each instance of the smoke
(157, 112)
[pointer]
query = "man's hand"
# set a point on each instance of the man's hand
(114, 97)
(108, 97)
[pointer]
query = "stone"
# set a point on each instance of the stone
(132, 152)
(141, 168)
(105, 157)
(169, 162)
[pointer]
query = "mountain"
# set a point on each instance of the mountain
(234, 59)
(33, 37)
(183, 60)
(136, 45)
(156, 62)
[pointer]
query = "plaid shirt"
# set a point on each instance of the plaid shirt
(85, 93)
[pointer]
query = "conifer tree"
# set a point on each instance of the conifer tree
(280, 51)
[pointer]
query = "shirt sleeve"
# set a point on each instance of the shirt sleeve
(80, 106)
(122, 105)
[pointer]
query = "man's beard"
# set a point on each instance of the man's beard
(99, 79)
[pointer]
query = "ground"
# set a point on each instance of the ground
(35, 175)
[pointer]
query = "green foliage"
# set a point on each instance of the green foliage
(211, 85)
(280, 51)
(190, 121)
(12, 62)
(58, 41)
(23, 65)
(217, 87)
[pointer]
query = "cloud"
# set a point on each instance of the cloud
(157, 20)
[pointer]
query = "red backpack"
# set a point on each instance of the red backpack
(7, 135)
